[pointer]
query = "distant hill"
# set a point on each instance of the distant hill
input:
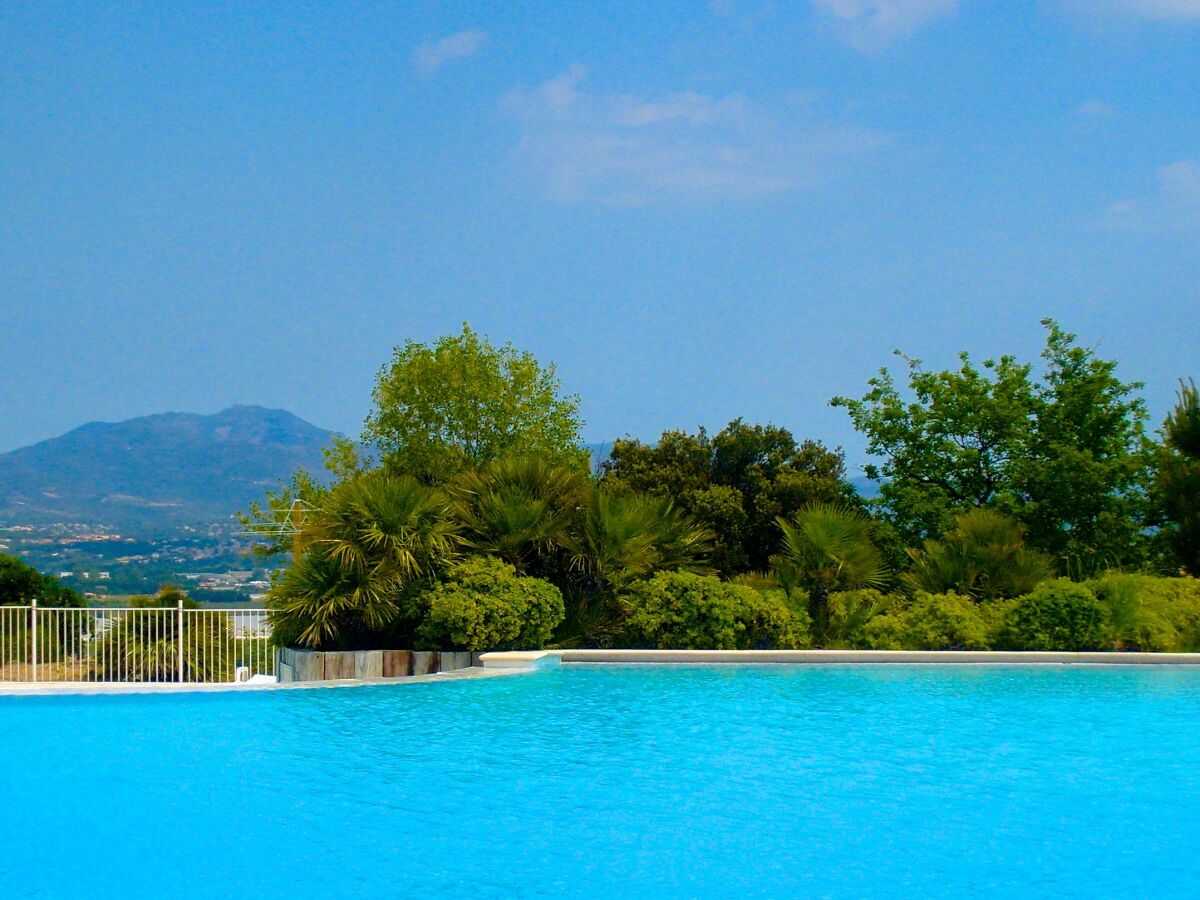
(156, 472)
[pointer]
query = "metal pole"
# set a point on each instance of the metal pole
(179, 637)
(33, 637)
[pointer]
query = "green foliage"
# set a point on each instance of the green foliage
(685, 611)
(625, 537)
(983, 556)
(373, 541)
(461, 402)
(827, 547)
(1147, 613)
(735, 484)
(851, 611)
(1057, 615)
(168, 596)
(143, 645)
(1067, 454)
(1177, 481)
(522, 509)
(21, 584)
(1135, 620)
(1177, 600)
(930, 622)
(485, 605)
(1082, 479)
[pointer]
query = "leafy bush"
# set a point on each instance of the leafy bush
(684, 611)
(1177, 600)
(1136, 621)
(1148, 613)
(485, 605)
(1057, 615)
(984, 556)
(851, 611)
(930, 622)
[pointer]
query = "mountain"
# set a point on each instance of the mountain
(159, 471)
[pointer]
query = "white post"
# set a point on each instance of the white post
(33, 637)
(179, 637)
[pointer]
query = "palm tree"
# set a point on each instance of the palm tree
(983, 556)
(370, 541)
(827, 547)
(622, 537)
(627, 536)
(520, 509)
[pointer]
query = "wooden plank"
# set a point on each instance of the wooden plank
(424, 662)
(397, 663)
(339, 664)
(309, 665)
(452, 661)
(368, 664)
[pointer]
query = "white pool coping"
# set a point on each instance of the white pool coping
(514, 662)
(66, 688)
(534, 659)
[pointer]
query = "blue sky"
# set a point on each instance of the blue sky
(697, 210)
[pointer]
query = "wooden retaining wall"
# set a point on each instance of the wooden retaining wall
(292, 664)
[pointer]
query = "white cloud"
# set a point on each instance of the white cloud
(1173, 204)
(429, 58)
(1092, 115)
(870, 25)
(633, 149)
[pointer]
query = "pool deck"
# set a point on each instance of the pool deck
(533, 659)
(44, 688)
(517, 662)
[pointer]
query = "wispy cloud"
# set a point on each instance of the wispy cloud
(429, 58)
(1174, 203)
(634, 149)
(1092, 115)
(870, 25)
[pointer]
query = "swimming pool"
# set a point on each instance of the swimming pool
(595, 780)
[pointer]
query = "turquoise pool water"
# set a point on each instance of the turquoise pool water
(637, 781)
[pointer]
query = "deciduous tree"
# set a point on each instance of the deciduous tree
(461, 402)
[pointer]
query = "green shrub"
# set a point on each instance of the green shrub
(851, 611)
(1176, 600)
(984, 555)
(684, 611)
(1057, 615)
(944, 622)
(1138, 619)
(485, 605)
(930, 622)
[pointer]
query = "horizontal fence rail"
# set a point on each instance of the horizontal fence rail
(196, 646)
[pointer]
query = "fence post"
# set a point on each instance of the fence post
(33, 638)
(179, 637)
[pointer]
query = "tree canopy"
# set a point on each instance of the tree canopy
(460, 402)
(1066, 453)
(20, 584)
(735, 483)
(1177, 480)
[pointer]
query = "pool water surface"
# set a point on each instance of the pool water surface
(835, 781)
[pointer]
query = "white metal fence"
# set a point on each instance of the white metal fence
(134, 644)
